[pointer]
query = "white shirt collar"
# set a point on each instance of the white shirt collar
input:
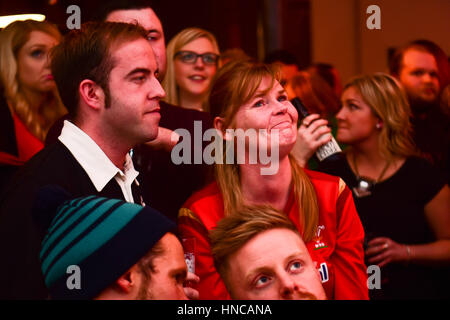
(92, 159)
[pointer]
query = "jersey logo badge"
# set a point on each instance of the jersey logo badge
(318, 239)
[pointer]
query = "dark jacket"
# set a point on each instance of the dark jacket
(165, 185)
(20, 234)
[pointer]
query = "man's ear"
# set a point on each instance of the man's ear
(92, 94)
(129, 280)
(219, 124)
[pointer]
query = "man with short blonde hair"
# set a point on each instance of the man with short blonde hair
(260, 255)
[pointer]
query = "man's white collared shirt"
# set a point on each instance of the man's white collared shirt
(94, 161)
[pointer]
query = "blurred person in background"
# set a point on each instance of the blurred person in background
(322, 104)
(316, 94)
(234, 54)
(29, 103)
(422, 68)
(287, 62)
(328, 73)
(192, 61)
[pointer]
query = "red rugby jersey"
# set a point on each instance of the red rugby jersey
(337, 246)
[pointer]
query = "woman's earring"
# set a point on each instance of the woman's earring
(379, 125)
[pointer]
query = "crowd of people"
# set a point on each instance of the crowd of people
(92, 205)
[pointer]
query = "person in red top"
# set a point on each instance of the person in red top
(30, 102)
(247, 95)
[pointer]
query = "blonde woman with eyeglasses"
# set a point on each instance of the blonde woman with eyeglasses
(192, 61)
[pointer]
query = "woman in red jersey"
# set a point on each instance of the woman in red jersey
(248, 96)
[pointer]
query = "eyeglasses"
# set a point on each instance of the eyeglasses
(208, 58)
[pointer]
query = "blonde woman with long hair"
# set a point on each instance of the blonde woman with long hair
(192, 61)
(30, 103)
(248, 96)
(403, 202)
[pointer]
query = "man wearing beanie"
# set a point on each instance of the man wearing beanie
(99, 248)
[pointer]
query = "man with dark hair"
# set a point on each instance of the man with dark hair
(248, 256)
(165, 185)
(106, 74)
(131, 254)
(422, 68)
(153, 159)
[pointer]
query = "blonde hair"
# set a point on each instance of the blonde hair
(234, 85)
(180, 40)
(12, 39)
(234, 231)
(388, 101)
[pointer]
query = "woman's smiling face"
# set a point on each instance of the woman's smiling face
(194, 78)
(269, 109)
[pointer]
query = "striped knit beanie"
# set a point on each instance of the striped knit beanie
(103, 238)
